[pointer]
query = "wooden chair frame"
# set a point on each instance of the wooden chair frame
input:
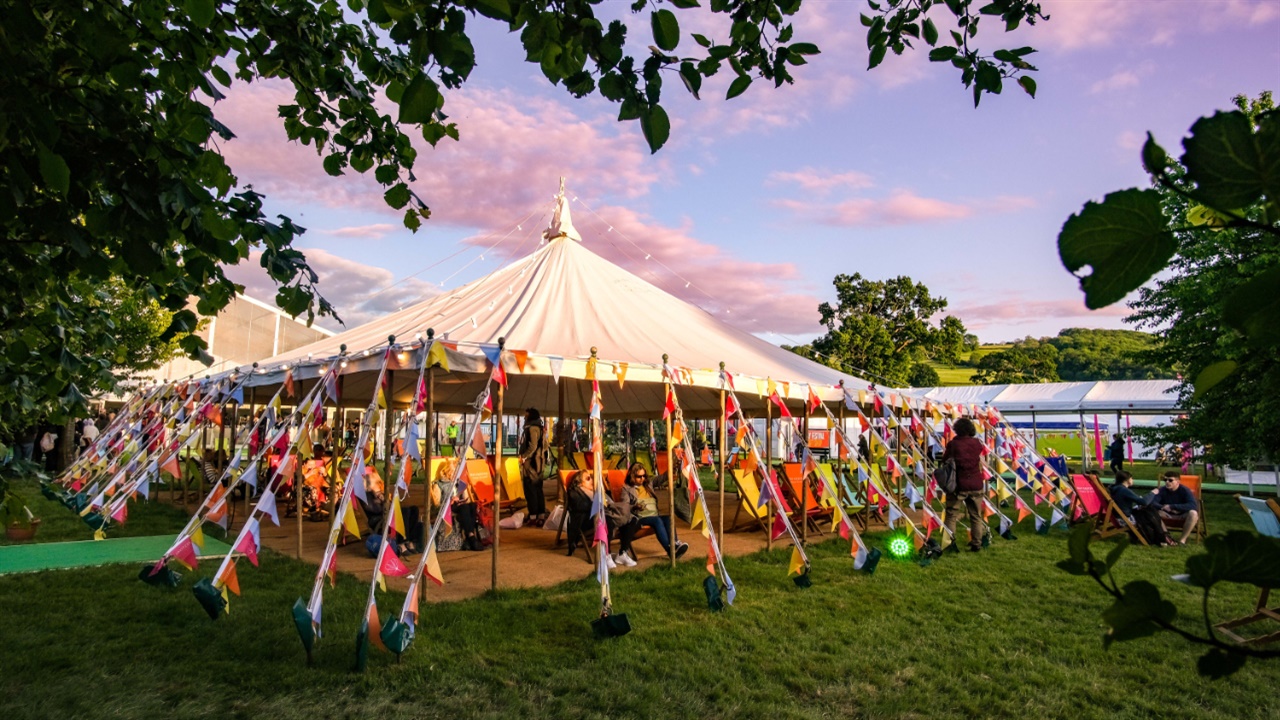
(1112, 521)
(1260, 610)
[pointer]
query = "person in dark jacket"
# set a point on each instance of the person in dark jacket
(533, 451)
(967, 451)
(1138, 509)
(1117, 453)
(1176, 500)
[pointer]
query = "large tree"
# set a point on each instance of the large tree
(884, 328)
(110, 154)
(1090, 354)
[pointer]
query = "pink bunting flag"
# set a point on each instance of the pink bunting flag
(391, 565)
(250, 541)
(121, 513)
(185, 553)
(779, 526)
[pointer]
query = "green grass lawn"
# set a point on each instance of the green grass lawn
(997, 634)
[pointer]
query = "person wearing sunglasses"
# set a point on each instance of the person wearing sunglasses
(1176, 501)
(644, 507)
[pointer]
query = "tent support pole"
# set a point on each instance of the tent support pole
(297, 500)
(721, 443)
(1084, 445)
(804, 478)
(768, 470)
(671, 470)
(897, 451)
(839, 459)
(431, 427)
(562, 444)
(386, 427)
(1035, 434)
(498, 432)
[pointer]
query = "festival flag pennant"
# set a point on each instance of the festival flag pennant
(894, 516)
(796, 566)
(1042, 527)
(601, 538)
(433, 567)
(437, 356)
(397, 516)
(267, 506)
(375, 627)
(185, 553)
(289, 389)
(1005, 525)
(1057, 517)
(171, 466)
(779, 526)
(814, 400)
(390, 564)
(591, 368)
(331, 387)
(121, 513)
(1023, 510)
(356, 478)
(409, 613)
(557, 364)
(669, 407)
(447, 519)
(249, 542)
(988, 510)
(782, 407)
(620, 371)
(699, 519)
(228, 580)
(349, 521)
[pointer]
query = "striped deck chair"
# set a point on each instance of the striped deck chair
(1266, 520)
(748, 498)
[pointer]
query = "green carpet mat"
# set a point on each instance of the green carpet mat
(49, 556)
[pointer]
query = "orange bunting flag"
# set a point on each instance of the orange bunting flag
(1023, 510)
(522, 358)
(332, 570)
(171, 466)
(620, 370)
(229, 579)
(375, 628)
(411, 602)
(814, 401)
(289, 389)
(711, 557)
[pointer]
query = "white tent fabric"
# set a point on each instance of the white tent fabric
(1127, 396)
(557, 304)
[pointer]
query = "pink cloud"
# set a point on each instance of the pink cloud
(1012, 311)
(512, 150)
(901, 208)
(821, 181)
(1076, 25)
(358, 292)
(376, 231)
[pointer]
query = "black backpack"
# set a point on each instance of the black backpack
(945, 476)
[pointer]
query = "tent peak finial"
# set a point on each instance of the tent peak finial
(561, 221)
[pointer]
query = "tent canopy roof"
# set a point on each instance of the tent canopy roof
(1071, 397)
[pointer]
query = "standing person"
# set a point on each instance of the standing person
(533, 449)
(88, 434)
(1117, 454)
(639, 493)
(451, 434)
(1176, 501)
(967, 451)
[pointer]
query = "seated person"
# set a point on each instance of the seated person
(1139, 510)
(623, 525)
(465, 532)
(640, 495)
(582, 490)
(315, 483)
(1176, 500)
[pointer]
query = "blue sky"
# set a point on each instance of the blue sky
(758, 202)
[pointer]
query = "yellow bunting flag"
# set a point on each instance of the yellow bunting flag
(1002, 492)
(197, 537)
(677, 433)
(433, 567)
(436, 356)
(786, 389)
(397, 516)
(620, 370)
(349, 522)
(698, 518)
(760, 387)
(771, 386)
(797, 562)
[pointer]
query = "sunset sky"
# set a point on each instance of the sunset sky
(758, 202)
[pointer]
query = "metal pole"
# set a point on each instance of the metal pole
(1035, 434)
(297, 499)
(1084, 445)
(497, 480)
(562, 443)
(671, 474)
(721, 445)
(768, 470)
(841, 461)
(804, 479)
(253, 416)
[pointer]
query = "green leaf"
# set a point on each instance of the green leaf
(656, 127)
(738, 86)
(1124, 239)
(666, 29)
(398, 196)
(930, 32)
(1231, 166)
(701, 40)
(1212, 375)
(200, 11)
(1253, 308)
(877, 56)
(333, 164)
(1218, 663)
(803, 48)
(1134, 614)
(496, 9)
(220, 75)
(1028, 84)
(420, 99)
(54, 170)
(692, 79)
(1239, 556)
(1154, 158)
(943, 53)
(684, 4)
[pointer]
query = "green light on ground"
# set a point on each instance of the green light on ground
(899, 547)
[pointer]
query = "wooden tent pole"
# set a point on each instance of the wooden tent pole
(431, 426)
(671, 475)
(497, 476)
(768, 470)
(723, 443)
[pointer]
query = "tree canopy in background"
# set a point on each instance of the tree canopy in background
(1224, 271)
(110, 152)
(1089, 354)
(1025, 361)
(883, 329)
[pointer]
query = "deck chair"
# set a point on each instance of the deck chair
(1266, 519)
(661, 463)
(580, 461)
(646, 461)
(564, 476)
(1202, 526)
(1085, 502)
(748, 498)
(795, 486)
(512, 483)
(614, 463)
(1111, 521)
